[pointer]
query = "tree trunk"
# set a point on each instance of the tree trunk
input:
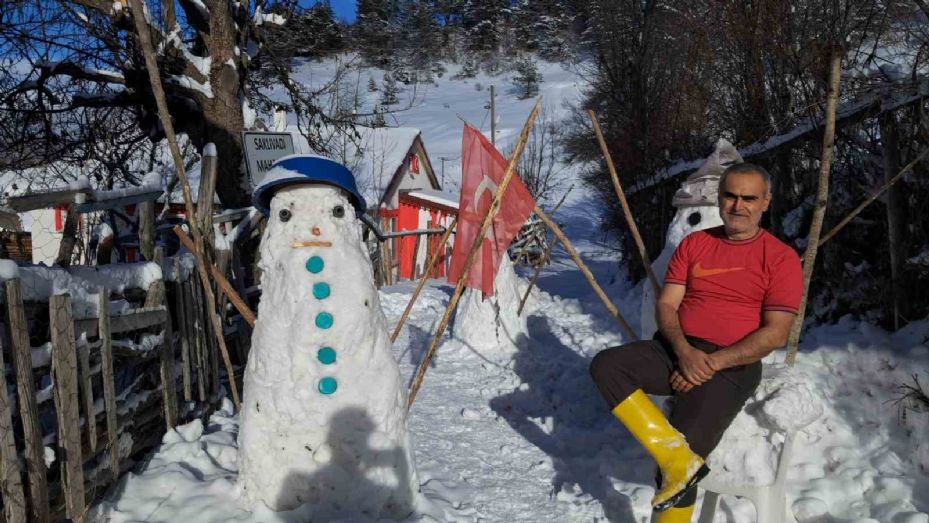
(890, 142)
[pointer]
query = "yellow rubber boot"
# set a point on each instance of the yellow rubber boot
(674, 515)
(680, 467)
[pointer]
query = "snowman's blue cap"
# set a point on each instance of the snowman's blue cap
(306, 168)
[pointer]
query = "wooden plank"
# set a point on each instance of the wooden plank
(109, 382)
(28, 412)
(183, 323)
(11, 481)
(64, 376)
(146, 219)
(168, 379)
(87, 391)
(133, 320)
(198, 340)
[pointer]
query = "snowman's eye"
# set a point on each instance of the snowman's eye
(284, 215)
(338, 211)
(694, 219)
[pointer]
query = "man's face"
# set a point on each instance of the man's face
(743, 198)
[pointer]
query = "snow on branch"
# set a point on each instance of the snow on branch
(69, 68)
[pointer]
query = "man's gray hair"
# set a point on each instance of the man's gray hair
(747, 168)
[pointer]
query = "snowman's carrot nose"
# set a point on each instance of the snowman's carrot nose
(316, 231)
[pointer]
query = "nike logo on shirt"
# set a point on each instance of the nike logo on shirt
(700, 272)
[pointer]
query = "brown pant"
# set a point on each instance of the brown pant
(701, 414)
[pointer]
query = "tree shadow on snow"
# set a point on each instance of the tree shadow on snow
(587, 445)
(357, 478)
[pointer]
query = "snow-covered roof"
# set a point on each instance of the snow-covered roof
(440, 197)
(374, 157)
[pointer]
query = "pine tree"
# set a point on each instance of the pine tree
(543, 26)
(527, 77)
(374, 31)
(389, 90)
(372, 85)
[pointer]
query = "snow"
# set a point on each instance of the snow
(492, 323)
(189, 83)
(440, 197)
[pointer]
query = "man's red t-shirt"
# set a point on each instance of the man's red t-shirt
(731, 282)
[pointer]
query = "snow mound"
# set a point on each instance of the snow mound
(493, 324)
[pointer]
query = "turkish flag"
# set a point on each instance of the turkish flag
(482, 168)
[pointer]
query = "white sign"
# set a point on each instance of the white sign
(262, 149)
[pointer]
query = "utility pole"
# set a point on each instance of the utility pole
(493, 117)
(443, 158)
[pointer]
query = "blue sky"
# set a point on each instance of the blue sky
(344, 9)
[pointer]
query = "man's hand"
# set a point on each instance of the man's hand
(695, 365)
(680, 383)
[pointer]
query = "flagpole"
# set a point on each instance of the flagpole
(472, 254)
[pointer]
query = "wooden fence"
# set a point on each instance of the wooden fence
(99, 390)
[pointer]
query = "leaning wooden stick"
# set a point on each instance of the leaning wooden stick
(587, 274)
(472, 254)
(535, 275)
(874, 196)
(422, 281)
(822, 197)
(643, 254)
(148, 51)
(220, 280)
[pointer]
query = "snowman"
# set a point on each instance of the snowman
(323, 422)
(697, 209)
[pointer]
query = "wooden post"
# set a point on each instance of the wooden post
(147, 230)
(627, 211)
(472, 253)
(587, 274)
(168, 378)
(64, 375)
(11, 482)
(28, 411)
(148, 50)
(192, 305)
(493, 116)
(182, 317)
(822, 197)
(68, 239)
(107, 373)
(87, 391)
(208, 173)
(535, 275)
(440, 249)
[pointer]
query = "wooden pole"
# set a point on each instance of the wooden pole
(440, 249)
(822, 197)
(87, 392)
(221, 280)
(535, 275)
(627, 211)
(11, 483)
(587, 274)
(107, 372)
(874, 196)
(472, 254)
(146, 217)
(493, 116)
(148, 50)
(28, 410)
(183, 322)
(64, 375)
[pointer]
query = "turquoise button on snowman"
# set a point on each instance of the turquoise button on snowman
(321, 290)
(328, 385)
(315, 264)
(326, 355)
(324, 320)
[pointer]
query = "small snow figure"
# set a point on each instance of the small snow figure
(492, 324)
(323, 410)
(697, 209)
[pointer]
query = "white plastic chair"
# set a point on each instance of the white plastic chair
(770, 500)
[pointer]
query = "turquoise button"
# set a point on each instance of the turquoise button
(324, 320)
(326, 355)
(328, 385)
(315, 264)
(320, 290)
